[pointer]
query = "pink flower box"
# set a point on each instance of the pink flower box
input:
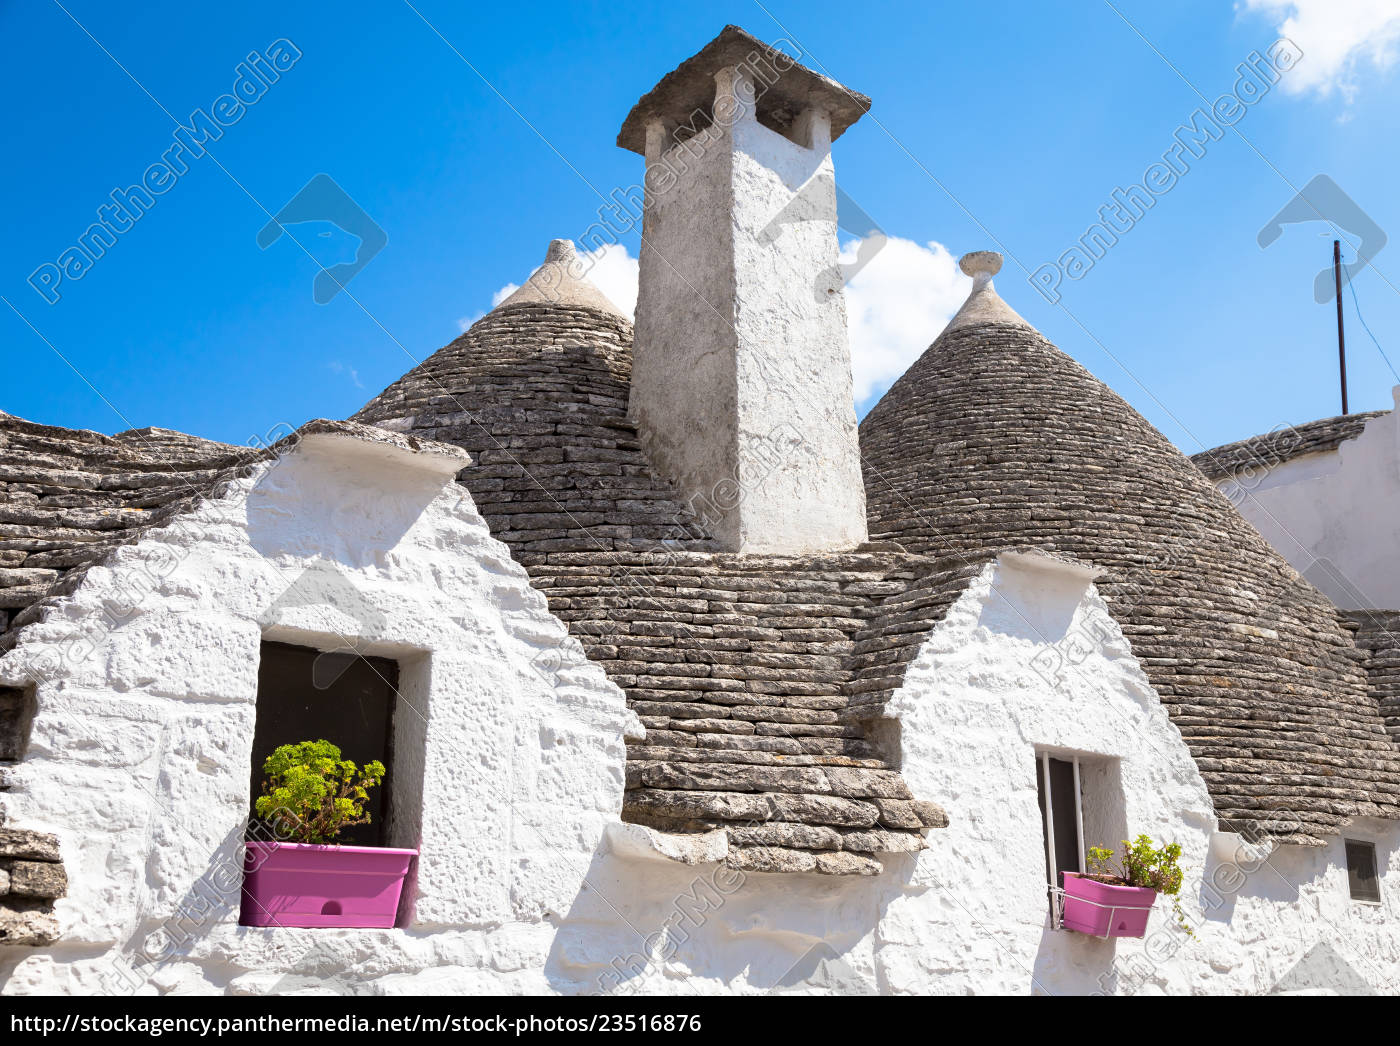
(1102, 910)
(298, 884)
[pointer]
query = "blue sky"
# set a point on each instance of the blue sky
(995, 125)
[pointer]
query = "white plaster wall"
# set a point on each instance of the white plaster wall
(1335, 516)
(683, 393)
(794, 367)
(509, 746)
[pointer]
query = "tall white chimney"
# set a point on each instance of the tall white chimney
(741, 375)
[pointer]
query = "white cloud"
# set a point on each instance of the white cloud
(464, 323)
(896, 304)
(1339, 40)
(614, 272)
(338, 367)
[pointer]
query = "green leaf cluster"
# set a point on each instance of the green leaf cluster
(311, 794)
(1144, 864)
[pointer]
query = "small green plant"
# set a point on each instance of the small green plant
(1145, 865)
(312, 794)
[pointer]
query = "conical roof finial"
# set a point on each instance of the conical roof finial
(561, 280)
(560, 251)
(980, 262)
(983, 305)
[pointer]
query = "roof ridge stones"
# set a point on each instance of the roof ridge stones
(1271, 449)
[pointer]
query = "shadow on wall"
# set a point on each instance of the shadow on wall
(644, 927)
(1032, 604)
(304, 507)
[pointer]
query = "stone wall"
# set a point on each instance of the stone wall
(1027, 659)
(528, 883)
(509, 760)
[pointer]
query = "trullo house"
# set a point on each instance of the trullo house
(684, 681)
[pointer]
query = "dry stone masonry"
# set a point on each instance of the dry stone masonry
(625, 610)
(1285, 443)
(742, 668)
(994, 439)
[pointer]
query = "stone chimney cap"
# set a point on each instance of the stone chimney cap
(785, 90)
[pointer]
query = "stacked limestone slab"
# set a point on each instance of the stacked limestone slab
(31, 879)
(537, 392)
(67, 496)
(995, 438)
(1377, 635)
(741, 668)
(751, 673)
(31, 870)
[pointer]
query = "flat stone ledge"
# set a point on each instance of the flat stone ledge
(28, 845)
(643, 843)
(24, 925)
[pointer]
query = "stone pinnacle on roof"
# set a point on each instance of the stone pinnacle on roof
(983, 305)
(561, 280)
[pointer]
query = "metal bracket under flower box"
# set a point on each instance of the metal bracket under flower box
(1057, 912)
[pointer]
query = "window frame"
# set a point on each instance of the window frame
(1347, 844)
(1042, 759)
(279, 671)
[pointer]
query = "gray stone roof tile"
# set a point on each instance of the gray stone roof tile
(743, 669)
(1261, 453)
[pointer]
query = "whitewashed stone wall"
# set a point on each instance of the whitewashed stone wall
(141, 747)
(1335, 516)
(527, 883)
(969, 914)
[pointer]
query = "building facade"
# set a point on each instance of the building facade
(692, 685)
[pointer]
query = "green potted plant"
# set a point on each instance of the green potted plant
(309, 795)
(1115, 900)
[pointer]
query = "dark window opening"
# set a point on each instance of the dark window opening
(1057, 785)
(16, 717)
(1361, 871)
(307, 695)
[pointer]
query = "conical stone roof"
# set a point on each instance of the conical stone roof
(537, 391)
(994, 438)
